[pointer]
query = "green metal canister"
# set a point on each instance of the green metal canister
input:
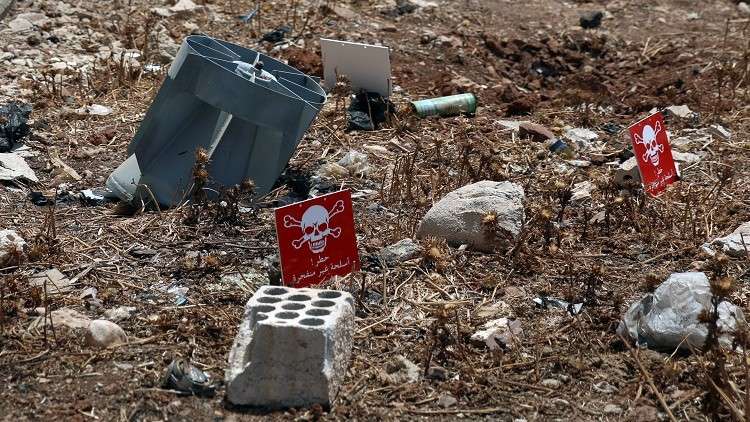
(446, 106)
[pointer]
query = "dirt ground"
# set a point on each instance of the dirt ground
(526, 60)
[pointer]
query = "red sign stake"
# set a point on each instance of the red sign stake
(317, 239)
(654, 155)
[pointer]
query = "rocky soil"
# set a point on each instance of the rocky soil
(447, 324)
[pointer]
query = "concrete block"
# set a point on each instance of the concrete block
(292, 349)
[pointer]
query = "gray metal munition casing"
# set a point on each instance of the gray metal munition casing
(247, 110)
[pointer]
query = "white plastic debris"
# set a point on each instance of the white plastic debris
(499, 334)
(355, 162)
(720, 131)
(581, 191)
(668, 318)
(14, 167)
(95, 110)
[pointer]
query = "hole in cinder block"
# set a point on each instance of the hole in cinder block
(266, 299)
(329, 294)
(261, 317)
(318, 312)
(323, 303)
(312, 322)
(287, 315)
(299, 298)
(292, 306)
(276, 291)
(265, 308)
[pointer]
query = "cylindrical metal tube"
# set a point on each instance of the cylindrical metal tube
(446, 106)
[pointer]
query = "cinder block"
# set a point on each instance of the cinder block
(292, 349)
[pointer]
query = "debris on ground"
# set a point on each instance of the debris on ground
(13, 124)
(94, 110)
(582, 138)
(535, 132)
(120, 313)
(446, 106)
(368, 110)
(591, 19)
(277, 35)
(185, 377)
(720, 132)
(267, 366)
(551, 302)
(355, 163)
(485, 215)
(668, 318)
(499, 334)
(627, 174)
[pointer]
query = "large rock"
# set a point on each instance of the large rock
(292, 348)
(102, 333)
(459, 216)
(668, 318)
(732, 244)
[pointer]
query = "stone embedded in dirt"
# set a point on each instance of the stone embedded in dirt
(499, 334)
(446, 400)
(627, 174)
(121, 313)
(63, 317)
(292, 348)
(551, 383)
(612, 409)
(437, 373)
(668, 318)
(14, 167)
(103, 333)
(682, 111)
(184, 6)
(590, 20)
(20, 24)
(401, 251)
(56, 282)
(460, 216)
(11, 247)
(732, 244)
(535, 131)
(400, 370)
(744, 8)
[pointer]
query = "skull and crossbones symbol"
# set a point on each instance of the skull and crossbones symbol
(315, 225)
(653, 147)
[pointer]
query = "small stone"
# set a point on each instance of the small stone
(11, 247)
(437, 373)
(95, 110)
(120, 313)
(582, 138)
(401, 370)
(685, 157)
(612, 409)
(499, 334)
(628, 174)
(733, 244)
(184, 6)
(446, 400)
(13, 166)
(744, 8)
(401, 251)
(551, 383)
(645, 414)
(590, 20)
(682, 111)
(535, 131)
(56, 282)
(102, 333)
(20, 25)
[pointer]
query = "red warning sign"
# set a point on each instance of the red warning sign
(317, 239)
(654, 155)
